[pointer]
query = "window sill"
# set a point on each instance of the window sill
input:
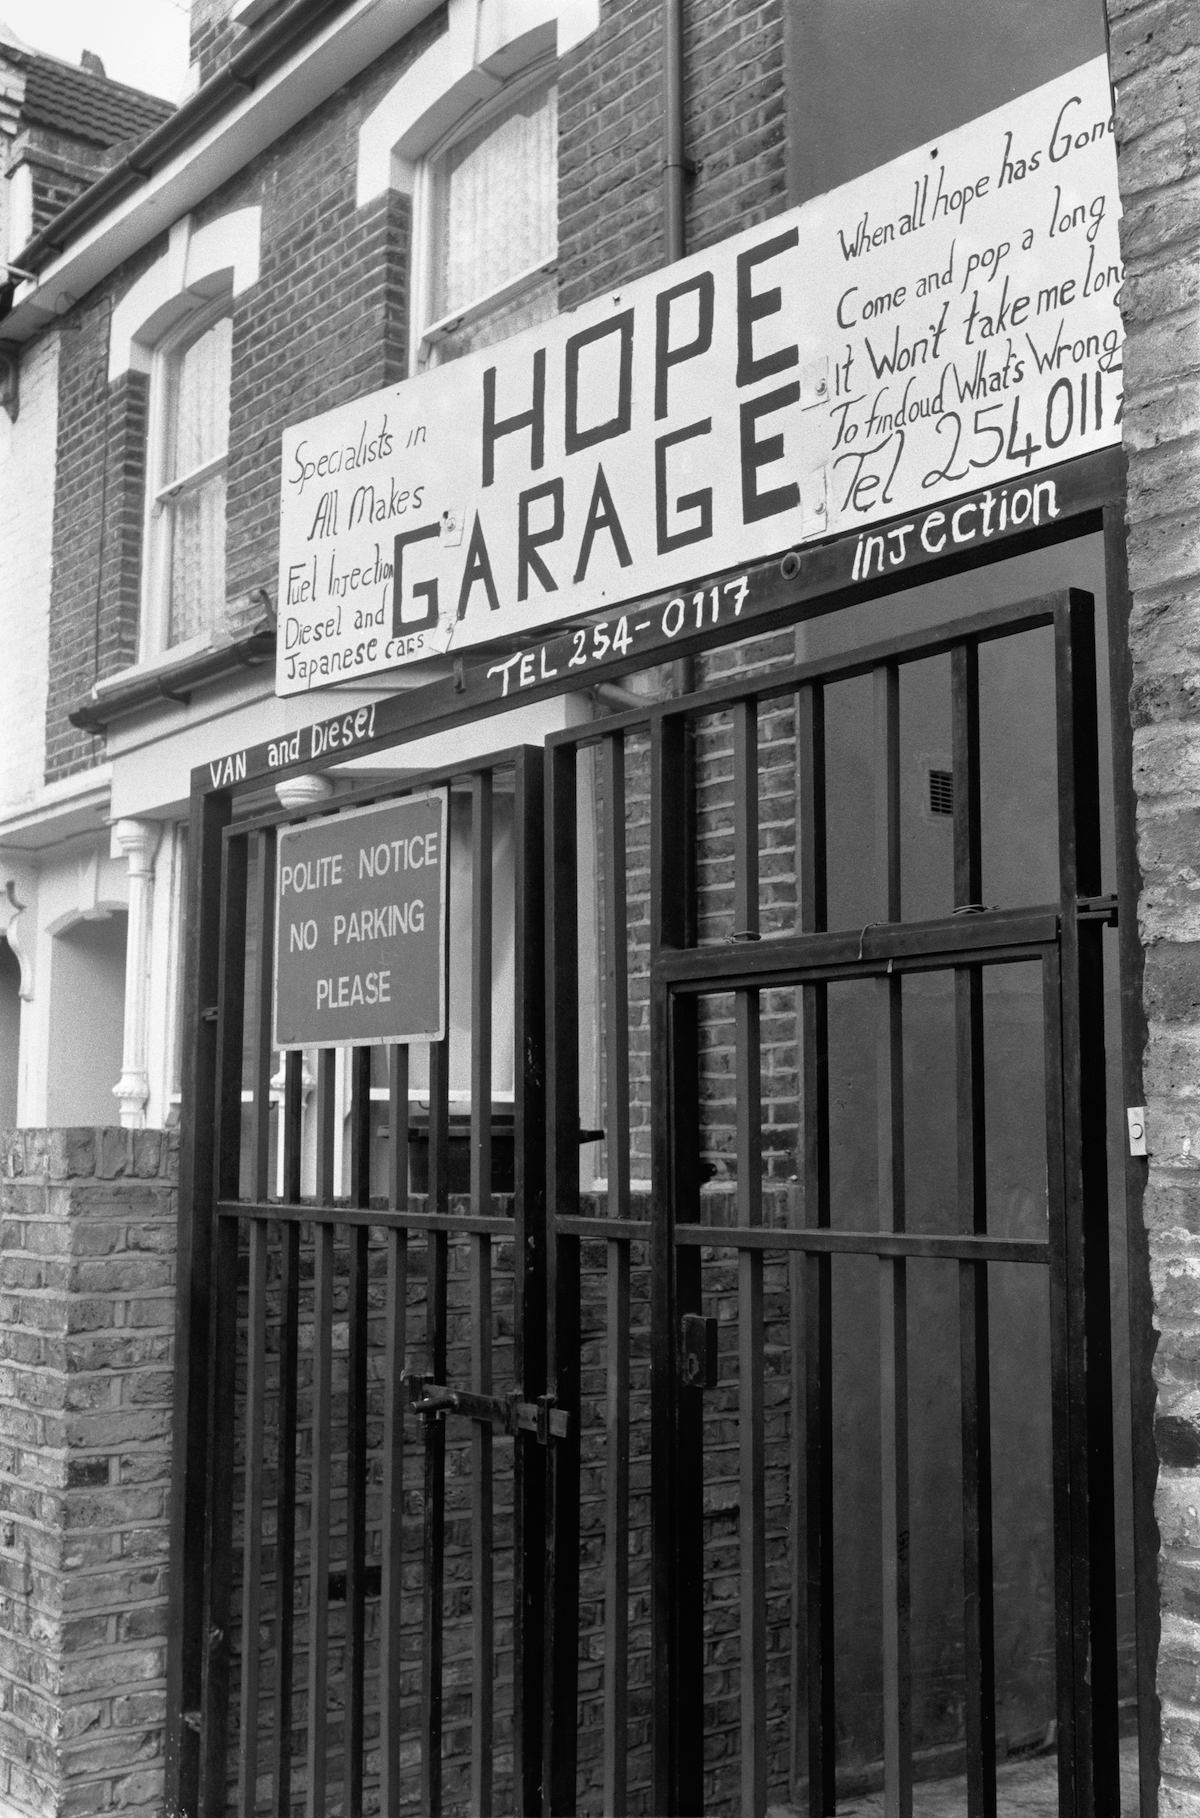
(173, 677)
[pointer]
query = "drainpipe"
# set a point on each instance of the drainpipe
(675, 172)
(675, 165)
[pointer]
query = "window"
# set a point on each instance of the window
(189, 442)
(488, 210)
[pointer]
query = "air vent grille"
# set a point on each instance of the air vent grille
(941, 792)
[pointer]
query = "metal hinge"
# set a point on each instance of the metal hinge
(1096, 909)
(508, 1412)
(698, 1351)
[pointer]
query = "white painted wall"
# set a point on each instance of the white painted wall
(164, 982)
(87, 1010)
(10, 1035)
(71, 1027)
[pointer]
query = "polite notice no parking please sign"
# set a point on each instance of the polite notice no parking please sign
(361, 926)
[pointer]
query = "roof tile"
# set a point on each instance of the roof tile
(64, 99)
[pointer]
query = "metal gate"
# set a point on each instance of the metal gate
(726, 1285)
(546, 1487)
(365, 1632)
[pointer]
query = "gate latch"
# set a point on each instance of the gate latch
(698, 1351)
(1097, 909)
(507, 1412)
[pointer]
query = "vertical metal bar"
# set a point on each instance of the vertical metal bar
(482, 1511)
(483, 1536)
(260, 1058)
(231, 1017)
(256, 1325)
(1086, 1208)
(676, 1462)
(529, 1264)
(326, 1117)
(811, 1284)
(562, 1282)
(752, 1528)
(1144, 1456)
(1060, 1387)
(293, 1126)
(391, 1591)
(897, 1669)
(214, 1702)
(887, 792)
(437, 1267)
(256, 1364)
(322, 1448)
(751, 1335)
(893, 1285)
(1140, 1313)
(223, 1328)
(615, 967)
(616, 1528)
(616, 973)
(481, 991)
(209, 815)
(974, 1343)
(356, 1430)
(285, 1500)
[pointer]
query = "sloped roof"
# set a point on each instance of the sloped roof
(64, 99)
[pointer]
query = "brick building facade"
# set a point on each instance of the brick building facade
(290, 241)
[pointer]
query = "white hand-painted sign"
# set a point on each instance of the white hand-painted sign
(937, 326)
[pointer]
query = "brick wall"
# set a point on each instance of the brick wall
(326, 322)
(61, 168)
(98, 504)
(27, 448)
(213, 38)
(610, 137)
(1155, 55)
(87, 1235)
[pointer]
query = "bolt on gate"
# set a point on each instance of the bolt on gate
(756, 1441)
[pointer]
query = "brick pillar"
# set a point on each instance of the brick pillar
(1155, 55)
(87, 1257)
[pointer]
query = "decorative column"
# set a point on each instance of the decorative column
(138, 841)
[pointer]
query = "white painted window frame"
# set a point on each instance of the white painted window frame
(488, 47)
(201, 273)
(427, 336)
(162, 493)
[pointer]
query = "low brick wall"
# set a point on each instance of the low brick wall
(87, 1243)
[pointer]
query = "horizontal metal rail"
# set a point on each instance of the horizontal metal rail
(385, 1217)
(990, 937)
(822, 1241)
